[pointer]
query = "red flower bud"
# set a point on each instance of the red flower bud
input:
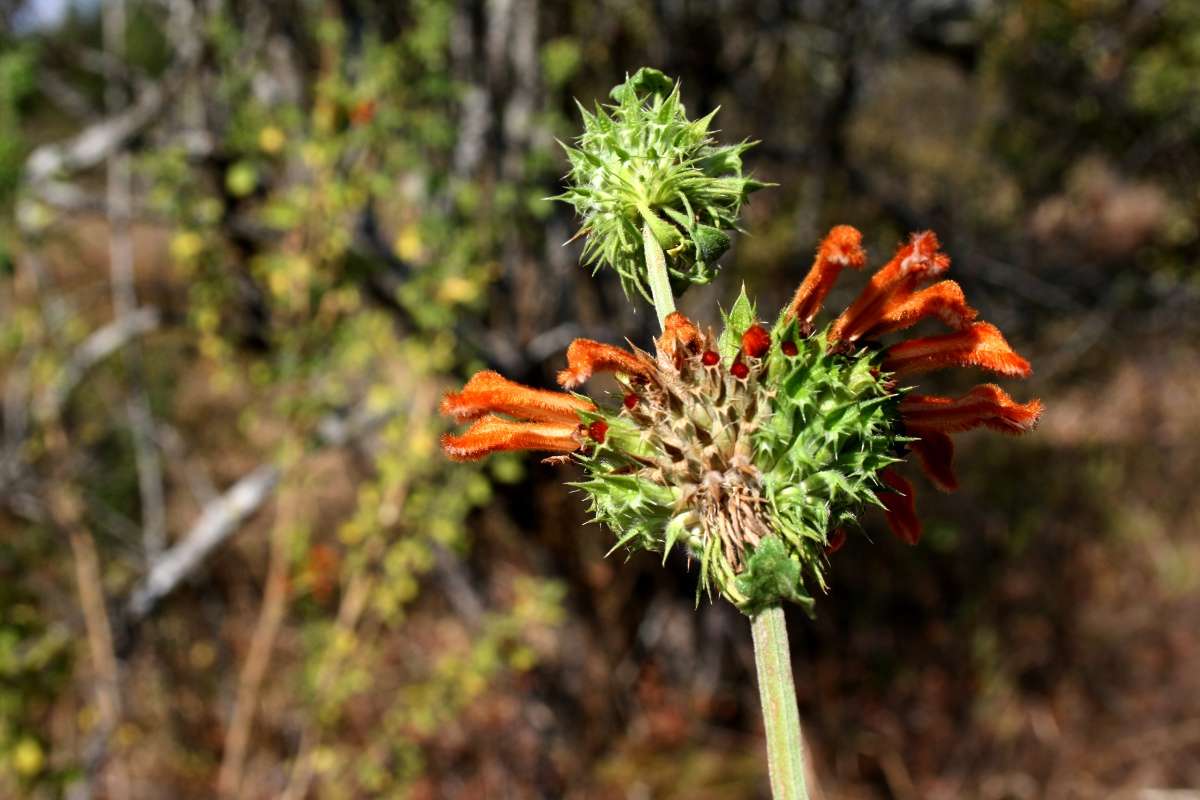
(710, 358)
(756, 341)
(597, 430)
(740, 371)
(789, 348)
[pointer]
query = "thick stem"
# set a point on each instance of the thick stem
(781, 718)
(656, 271)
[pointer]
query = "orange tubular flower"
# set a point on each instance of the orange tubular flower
(492, 434)
(892, 302)
(841, 248)
(986, 406)
(979, 345)
(586, 357)
(543, 420)
(489, 391)
(944, 299)
(916, 261)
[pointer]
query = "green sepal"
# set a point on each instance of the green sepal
(772, 576)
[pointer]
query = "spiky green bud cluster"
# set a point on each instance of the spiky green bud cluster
(751, 468)
(641, 161)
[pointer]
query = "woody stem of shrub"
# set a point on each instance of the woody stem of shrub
(781, 717)
(656, 271)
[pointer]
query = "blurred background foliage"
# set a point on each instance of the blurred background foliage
(244, 248)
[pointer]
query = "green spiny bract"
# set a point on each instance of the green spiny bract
(641, 161)
(750, 475)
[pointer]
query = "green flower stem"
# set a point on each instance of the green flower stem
(781, 718)
(656, 269)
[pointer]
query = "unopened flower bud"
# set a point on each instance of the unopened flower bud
(756, 341)
(642, 162)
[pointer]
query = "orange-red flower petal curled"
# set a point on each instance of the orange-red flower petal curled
(979, 345)
(913, 263)
(986, 406)
(492, 434)
(680, 337)
(944, 299)
(682, 331)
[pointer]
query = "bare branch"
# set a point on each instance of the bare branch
(217, 522)
(96, 142)
(100, 345)
(220, 519)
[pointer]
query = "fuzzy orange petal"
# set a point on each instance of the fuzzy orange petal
(899, 508)
(586, 357)
(935, 454)
(985, 406)
(944, 299)
(841, 248)
(493, 434)
(914, 262)
(979, 345)
(489, 391)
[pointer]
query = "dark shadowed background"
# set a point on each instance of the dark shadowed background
(245, 247)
